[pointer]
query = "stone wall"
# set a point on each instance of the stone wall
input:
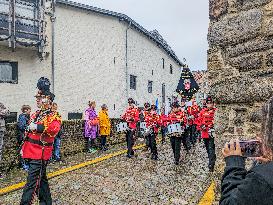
(72, 142)
(240, 63)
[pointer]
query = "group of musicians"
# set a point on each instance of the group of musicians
(194, 122)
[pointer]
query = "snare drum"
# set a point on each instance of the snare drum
(122, 127)
(142, 125)
(174, 129)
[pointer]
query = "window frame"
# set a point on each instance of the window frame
(150, 86)
(14, 72)
(171, 69)
(133, 82)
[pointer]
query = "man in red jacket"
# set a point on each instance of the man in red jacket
(177, 116)
(206, 122)
(131, 116)
(152, 120)
(38, 145)
(192, 112)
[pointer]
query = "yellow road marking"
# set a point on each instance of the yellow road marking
(209, 196)
(68, 169)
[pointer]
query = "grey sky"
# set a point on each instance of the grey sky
(182, 23)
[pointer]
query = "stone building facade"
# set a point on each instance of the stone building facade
(93, 54)
(240, 64)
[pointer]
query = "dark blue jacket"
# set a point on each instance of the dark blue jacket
(22, 125)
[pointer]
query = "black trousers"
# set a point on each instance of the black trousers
(192, 134)
(37, 183)
(90, 143)
(210, 147)
(186, 140)
(103, 140)
(163, 132)
(130, 141)
(152, 143)
(176, 147)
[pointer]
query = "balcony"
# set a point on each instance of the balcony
(22, 22)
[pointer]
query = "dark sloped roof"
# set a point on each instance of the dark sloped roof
(154, 35)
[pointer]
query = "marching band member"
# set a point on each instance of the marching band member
(206, 123)
(38, 145)
(176, 116)
(131, 116)
(152, 122)
(163, 122)
(145, 112)
(185, 139)
(192, 112)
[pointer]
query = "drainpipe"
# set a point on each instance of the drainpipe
(126, 61)
(53, 18)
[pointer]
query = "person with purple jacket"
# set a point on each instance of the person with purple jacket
(91, 126)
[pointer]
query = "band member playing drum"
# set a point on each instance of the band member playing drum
(152, 120)
(176, 116)
(206, 123)
(131, 116)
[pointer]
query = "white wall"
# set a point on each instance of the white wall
(30, 69)
(86, 44)
(144, 56)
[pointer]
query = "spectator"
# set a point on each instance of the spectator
(3, 113)
(23, 122)
(105, 126)
(91, 126)
(56, 154)
(253, 187)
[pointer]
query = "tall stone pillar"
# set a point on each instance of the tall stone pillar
(240, 63)
(240, 68)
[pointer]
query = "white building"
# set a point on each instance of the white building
(89, 54)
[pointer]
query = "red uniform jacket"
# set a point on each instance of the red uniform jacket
(131, 116)
(152, 120)
(206, 121)
(193, 111)
(163, 120)
(178, 117)
(49, 124)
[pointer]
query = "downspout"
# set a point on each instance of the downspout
(53, 18)
(126, 61)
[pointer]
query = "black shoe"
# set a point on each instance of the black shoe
(129, 156)
(176, 162)
(154, 157)
(133, 153)
(211, 168)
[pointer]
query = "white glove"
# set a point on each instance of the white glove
(32, 126)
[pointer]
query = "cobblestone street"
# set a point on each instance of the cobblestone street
(132, 181)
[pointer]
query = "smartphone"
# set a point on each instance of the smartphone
(251, 148)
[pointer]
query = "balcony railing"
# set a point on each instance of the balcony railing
(22, 22)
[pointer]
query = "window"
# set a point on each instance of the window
(171, 69)
(152, 72)
(8, 72)
(163, 63)
(150, 86)
(133, 82)
(74, 116)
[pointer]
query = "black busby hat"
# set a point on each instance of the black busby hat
(147, 105)
(43, 86)
(175, 105)
(153, 107)
(131, 100)
(209, 99)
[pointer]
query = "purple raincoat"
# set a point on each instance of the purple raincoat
(90, 130)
